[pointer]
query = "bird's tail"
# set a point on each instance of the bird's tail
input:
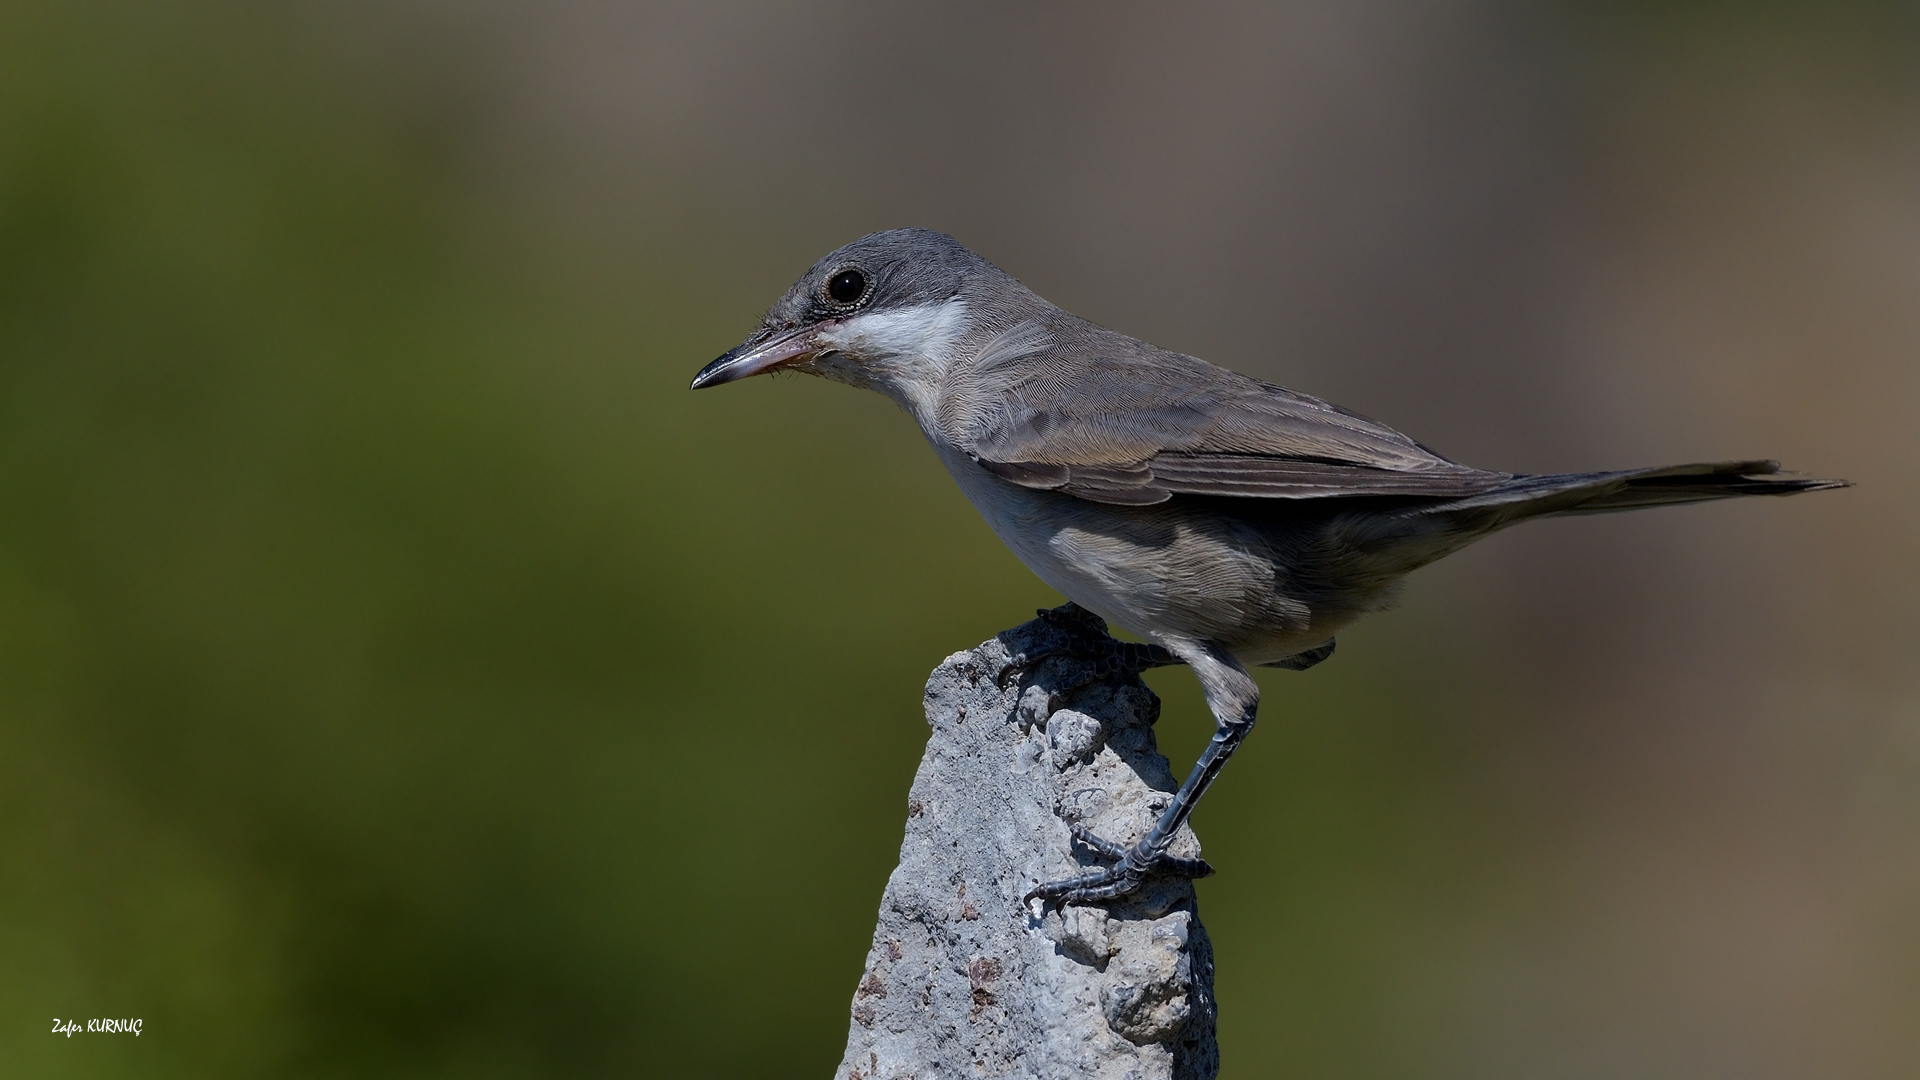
(1526, 497)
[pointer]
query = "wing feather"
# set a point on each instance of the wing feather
(1111, 419)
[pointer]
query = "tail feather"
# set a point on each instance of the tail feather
(1604, 492)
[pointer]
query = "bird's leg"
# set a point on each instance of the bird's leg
(1234, 699)
(1083, 636)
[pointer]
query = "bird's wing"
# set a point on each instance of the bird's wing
(1118, 421)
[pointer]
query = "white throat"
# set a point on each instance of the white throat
(903, 354)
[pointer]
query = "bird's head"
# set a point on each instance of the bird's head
(884, 312)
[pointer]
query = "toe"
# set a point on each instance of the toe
(1100, 845)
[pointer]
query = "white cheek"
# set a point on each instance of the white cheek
(926, 332)
(905, 353)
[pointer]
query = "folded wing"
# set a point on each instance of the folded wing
(1113, 420)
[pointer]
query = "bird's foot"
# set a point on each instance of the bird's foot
(1129, 871)
(1083, 635)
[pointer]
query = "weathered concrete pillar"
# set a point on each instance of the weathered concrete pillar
(963, 981)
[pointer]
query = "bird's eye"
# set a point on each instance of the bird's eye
(847, 286)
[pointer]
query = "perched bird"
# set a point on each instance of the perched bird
(1228, 521)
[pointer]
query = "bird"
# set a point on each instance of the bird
(1229, 522)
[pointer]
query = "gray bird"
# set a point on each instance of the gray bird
(1228, 521)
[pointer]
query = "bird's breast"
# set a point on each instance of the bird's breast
(1158, 571)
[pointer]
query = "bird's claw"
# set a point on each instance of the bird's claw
(1129, 871)
(1084, 637)
(1017, 668)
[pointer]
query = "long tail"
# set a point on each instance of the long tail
(1603, 492)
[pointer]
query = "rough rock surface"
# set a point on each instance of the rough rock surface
(962, 980)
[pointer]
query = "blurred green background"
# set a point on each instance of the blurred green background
(402, 674)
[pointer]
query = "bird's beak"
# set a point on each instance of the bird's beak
(760, 353)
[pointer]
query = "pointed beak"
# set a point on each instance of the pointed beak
(760, 353)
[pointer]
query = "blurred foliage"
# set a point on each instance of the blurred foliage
(401, 673)
(368, 706)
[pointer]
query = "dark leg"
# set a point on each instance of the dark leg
(1234, 698)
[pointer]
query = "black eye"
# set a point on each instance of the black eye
(847, 286)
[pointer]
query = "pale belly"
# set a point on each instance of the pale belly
(1157, 571)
